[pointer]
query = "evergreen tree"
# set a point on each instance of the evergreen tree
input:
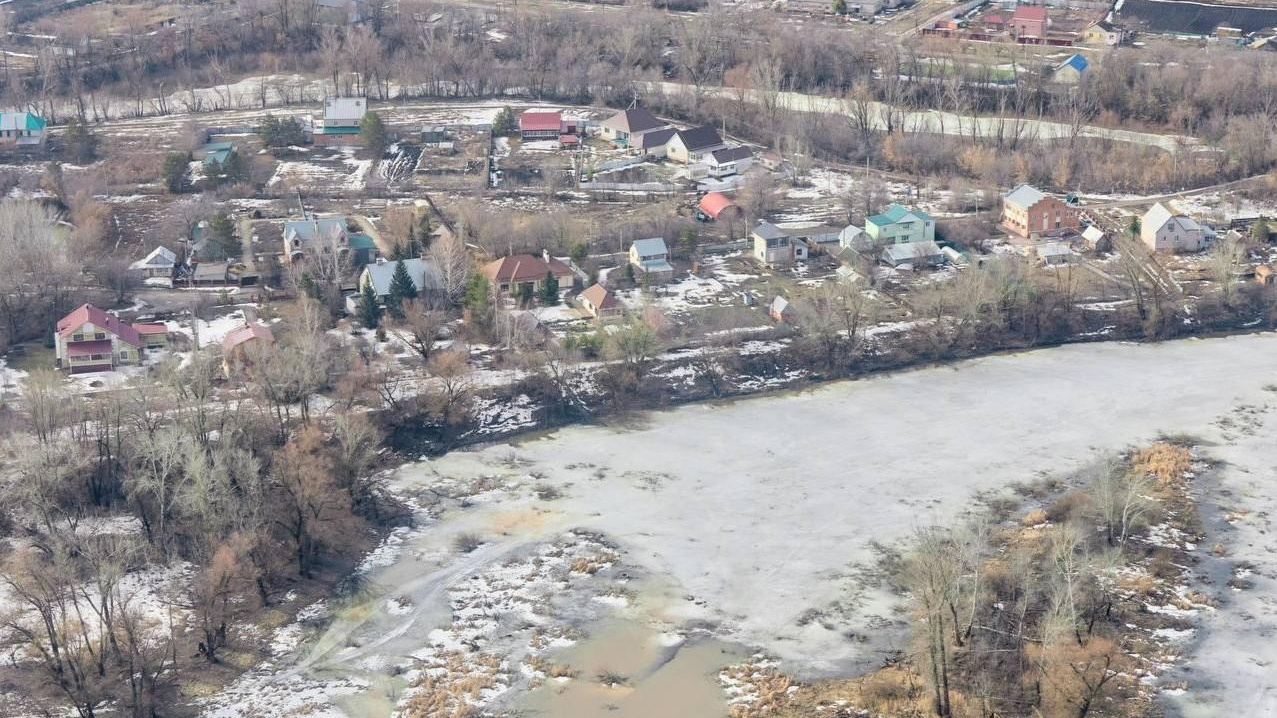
(373, 132)
(368, 310)
(1259, 230)
(280, 132)
(423, 232)
(81, 144)
(234, 169)
(525, 294)
(222, 242)
(505, 123)
(550, 290)
(401, 289)
(175, 166)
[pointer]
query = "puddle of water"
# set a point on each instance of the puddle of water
(659, 679)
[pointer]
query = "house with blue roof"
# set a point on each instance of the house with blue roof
(900, 225)
(651, 258)
(22, 128)
(1071, 70)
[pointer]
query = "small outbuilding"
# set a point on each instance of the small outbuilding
(600, 303)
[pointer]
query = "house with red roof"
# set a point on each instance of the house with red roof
(238, 345)
(1029, 21)
(91, 339)
(542, 125)
(508, 274)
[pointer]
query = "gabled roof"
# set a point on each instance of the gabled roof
(911, 250)
(600, 298)
(897, 213)
(1024, 196)
(1092, 234)
(1029, 12)
(1104, 25)
(731, 154)
(699, 138)
(1075, 61)
(635, 119)
(159, 257)
(247, 333)
(10, 121)
(424, 273)
(535, 121)
(651, 246)
(657, 138)
(713, 204)
(767, 230)
(780, 305)
(345, 108)
(524, 268)
(309, 230)
(87, 313)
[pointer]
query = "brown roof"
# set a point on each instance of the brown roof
(244, 334)
(600, 298)
(635, 119)
(524, 268)
(88, 313)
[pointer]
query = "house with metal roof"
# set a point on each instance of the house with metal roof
(424, 273)
(1028, 211)
(694, 145)
(627, 127)
(159, 263)
(914, 254)
(24, 129)
(774, 247)
(729, 161)
(91, 339)
(1166, 231)
(1071, 70)
(324, 234)
(651, 258)
(899, 225)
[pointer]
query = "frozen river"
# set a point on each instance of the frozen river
(757, 520)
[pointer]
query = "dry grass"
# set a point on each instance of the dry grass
(1036, 517)
(1165, 462)
(451, 693)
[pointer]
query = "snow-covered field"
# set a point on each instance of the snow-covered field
(749, 516)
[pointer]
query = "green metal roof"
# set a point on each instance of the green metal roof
(895, 213)
(362, 241)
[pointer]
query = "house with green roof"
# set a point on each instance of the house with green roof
(21, 128)
(900, 225)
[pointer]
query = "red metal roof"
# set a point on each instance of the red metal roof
(150, 329)
(713, 203)
(88, 313)
(83, 349)
(1029, 12)
(540, 121)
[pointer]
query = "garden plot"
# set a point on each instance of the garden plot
(341, 171)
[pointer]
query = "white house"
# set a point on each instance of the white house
(729, 161)
(1165, 231)
(626, 128)
(159, 263)
(344, 112)
(694, 145)
(22, 129)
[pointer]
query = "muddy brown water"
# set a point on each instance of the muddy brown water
(655, 678)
